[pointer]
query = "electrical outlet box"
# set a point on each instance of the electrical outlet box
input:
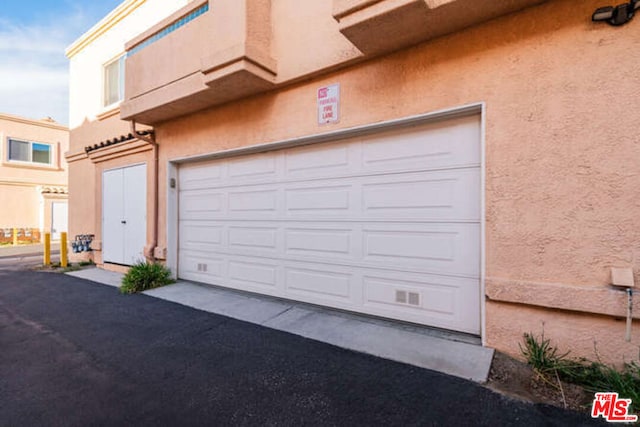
(622, 277)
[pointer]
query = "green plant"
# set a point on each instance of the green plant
(545, 359)
(596, 376)
(143, 276)
(70, 268)
(541, 355)
(85, 263)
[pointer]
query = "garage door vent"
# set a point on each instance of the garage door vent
(408, 298)
(414, 298)
(202, 268)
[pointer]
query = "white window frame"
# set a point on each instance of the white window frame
(105, 89)
(30, 161)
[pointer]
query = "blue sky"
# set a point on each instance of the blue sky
(33, 36)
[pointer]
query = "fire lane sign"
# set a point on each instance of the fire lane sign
(329, 104)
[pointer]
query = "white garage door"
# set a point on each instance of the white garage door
(387, 225)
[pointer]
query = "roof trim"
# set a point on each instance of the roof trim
(33, 122)
(105, 24)
(117, 140)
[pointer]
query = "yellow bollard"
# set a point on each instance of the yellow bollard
(15, 236)
(47, 248)
(63, 249)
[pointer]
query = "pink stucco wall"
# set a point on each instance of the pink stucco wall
(561, 156)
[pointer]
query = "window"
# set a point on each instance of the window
(169, 29)
(114, 81)
(32, 152)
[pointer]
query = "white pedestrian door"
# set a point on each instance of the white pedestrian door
(124, 214)
(386, 224)
(59, 219)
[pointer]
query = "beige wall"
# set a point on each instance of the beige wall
(36, 131)
(21, 184)
(82, 194)
(21, 206)
(85, 175)
(561, 157)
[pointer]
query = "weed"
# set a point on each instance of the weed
(545, 359)
(541, 355)
(596, 376)
(144, 276)
(70, 268)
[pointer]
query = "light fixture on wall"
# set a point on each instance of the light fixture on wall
(618, 15)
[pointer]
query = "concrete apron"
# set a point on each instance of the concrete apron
(450, 353)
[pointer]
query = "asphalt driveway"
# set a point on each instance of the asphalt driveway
(76, 353)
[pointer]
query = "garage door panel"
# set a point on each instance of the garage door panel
(407, 195)
(436, 195)
(259, 167)
(319, 283)
(436, 146)
(417, 296)
(200, 176)
(441, 248)
(315, 200)
(318, 161)
(448, 302)
(252, 274)
(319, 242)
(263, 200)
(241, 237)
(201, 266)
(202, 205)
(387, 225)
(270, 239)
(201, 237)
(430, 247)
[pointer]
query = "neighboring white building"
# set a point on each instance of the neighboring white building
(96, 59)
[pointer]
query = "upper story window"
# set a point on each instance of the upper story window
(114, 81)
(30, 152)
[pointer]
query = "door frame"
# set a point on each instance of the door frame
(478, 108)
(101, 219)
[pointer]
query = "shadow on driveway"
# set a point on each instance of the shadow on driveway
(73, 352)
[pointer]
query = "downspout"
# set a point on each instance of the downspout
(149, 137)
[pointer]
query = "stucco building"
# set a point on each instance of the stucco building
(33, 176)
(462, 164)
